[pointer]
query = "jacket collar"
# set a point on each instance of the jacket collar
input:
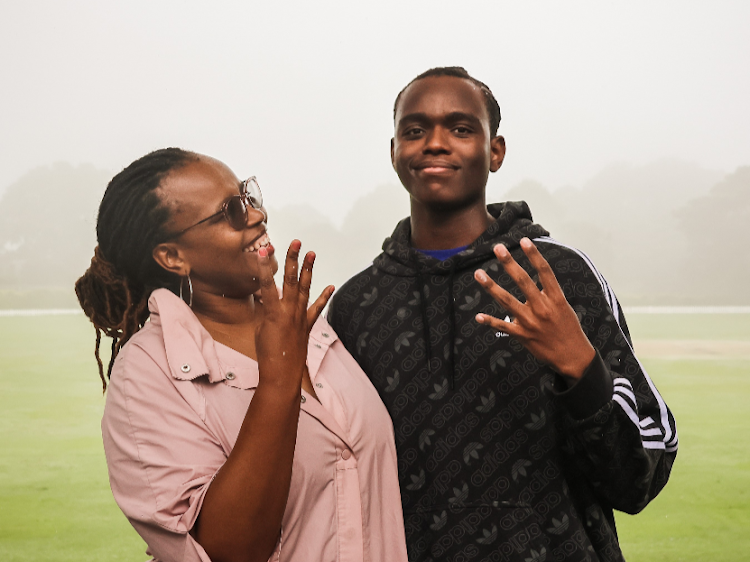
(191, 351)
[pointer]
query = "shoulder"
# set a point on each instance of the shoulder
(553, 246)
(144, 352)
(347, 295)
(138, 385)
(164, 356)
(576, 272)
(144, 387)
(141, 367)
(566, 259)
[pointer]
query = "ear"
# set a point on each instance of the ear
(170, 257)
(392, 150)
(497, 148)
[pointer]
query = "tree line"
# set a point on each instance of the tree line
(667, 233)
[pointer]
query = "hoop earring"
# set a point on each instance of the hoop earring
(190, 286)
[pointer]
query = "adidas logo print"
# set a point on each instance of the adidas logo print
(503, 334)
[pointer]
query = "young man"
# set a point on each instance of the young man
(522, 415)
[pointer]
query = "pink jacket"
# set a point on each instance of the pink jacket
(174, 407)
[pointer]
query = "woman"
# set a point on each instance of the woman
(236, 426)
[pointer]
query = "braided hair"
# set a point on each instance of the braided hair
(114, 291)
(493, 108)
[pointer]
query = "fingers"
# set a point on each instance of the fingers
(291, 263)
(500, 325)
(317, 307)
(297, 284)
(305, 278)
(546, 275)
(268, 291)
(503, 297)
(516, 272)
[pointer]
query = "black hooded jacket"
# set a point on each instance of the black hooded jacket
(498, 460)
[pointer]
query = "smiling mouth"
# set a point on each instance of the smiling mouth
(436, 171)
(261, 242)
(435, 168)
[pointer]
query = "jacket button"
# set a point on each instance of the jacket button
(185, 368)
(346, 453)
(230, 376)
(317, 345)
(325, 335)
(303, 399)
(319, 385)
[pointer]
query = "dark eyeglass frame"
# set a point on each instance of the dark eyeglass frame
(249, 194)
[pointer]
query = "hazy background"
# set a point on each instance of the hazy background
(627, 125)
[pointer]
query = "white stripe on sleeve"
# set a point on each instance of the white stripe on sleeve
(670, 435)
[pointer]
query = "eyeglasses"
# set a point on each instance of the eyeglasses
(235, 208)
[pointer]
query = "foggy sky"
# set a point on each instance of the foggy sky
(300, 93)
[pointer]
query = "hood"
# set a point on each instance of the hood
(512, 223)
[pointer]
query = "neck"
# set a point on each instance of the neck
(230, 321)
(438, 230)
(218, 309)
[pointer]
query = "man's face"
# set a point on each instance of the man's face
(442, 150)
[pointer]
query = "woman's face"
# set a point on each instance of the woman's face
(221, 260)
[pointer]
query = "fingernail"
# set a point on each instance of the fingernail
(525, 242)
(480, 317)
(501, 249)
(480, 275)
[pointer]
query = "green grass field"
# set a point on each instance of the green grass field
(55, 502)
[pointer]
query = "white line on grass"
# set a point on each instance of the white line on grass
(41, 312)
(687, 309)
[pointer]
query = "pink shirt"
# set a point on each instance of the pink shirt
(174, 408)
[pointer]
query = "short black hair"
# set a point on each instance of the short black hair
(493, 108)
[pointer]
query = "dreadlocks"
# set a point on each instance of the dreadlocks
(114, 291)
(493, 108)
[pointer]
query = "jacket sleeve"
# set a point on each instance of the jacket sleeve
(620, 433)
(160, 455)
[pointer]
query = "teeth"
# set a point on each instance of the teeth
(261, 242)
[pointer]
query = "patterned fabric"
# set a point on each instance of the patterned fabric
(497, 459)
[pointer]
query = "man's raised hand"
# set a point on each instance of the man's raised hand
(545, 324)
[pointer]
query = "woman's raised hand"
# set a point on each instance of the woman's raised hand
(281, 338)
(545, 324)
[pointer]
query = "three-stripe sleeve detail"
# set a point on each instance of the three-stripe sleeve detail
(661, 435)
